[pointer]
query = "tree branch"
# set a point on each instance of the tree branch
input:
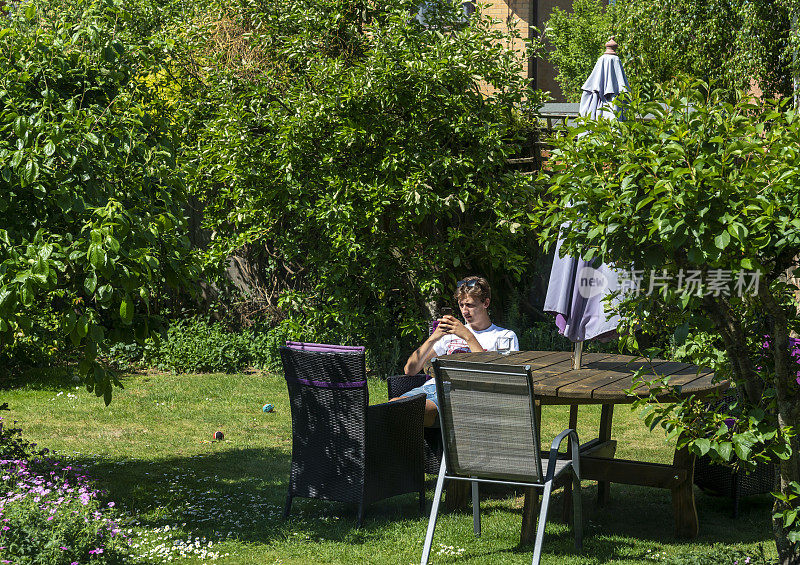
(735, 345)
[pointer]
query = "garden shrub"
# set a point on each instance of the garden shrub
(704, 189)
(543, 336)
(13, 446)
(51, 512)
(353, 157)
(90, 197)
(195, 345)
(264, 344)
(726, 43)
(574, 40)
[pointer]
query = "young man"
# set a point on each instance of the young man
(473, 295)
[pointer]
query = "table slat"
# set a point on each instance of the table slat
(618, 377)
(602, 378)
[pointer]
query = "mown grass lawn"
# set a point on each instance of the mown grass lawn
(152, 450)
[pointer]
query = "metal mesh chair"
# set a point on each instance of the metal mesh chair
(398, 385)
(490, 435)
(343, 449)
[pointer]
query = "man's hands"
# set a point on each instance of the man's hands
(450, 325)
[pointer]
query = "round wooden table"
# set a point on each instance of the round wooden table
(605, 379)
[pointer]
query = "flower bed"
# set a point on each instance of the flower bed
(50, 512)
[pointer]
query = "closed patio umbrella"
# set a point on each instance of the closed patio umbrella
(577, 288)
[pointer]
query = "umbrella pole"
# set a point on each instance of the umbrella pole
(576, 355)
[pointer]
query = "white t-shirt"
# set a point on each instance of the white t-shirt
(487, 338)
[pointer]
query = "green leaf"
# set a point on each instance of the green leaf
(92, 138)
(90, 283)
(782, 450)
(7, 295)
(113, 244)
(26, 292)
(701, 446)
(725, 450)
(97, 256)
(722, 240)
(82, 326)
(742, 450)
(126, 309)
(97, 333)
(789, 517)
(31, 172)
(49, 148)
(21, 126)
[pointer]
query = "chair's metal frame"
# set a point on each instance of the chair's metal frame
(546, 484)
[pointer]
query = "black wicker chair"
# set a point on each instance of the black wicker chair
(343, 449)
(399, 385)
(724, 481)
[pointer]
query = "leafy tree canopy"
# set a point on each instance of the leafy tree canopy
(708, 189)
(358, 158)
(572, 42)
(90, 199)
(723, 42)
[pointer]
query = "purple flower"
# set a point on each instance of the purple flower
(730, 422)
(98, 550)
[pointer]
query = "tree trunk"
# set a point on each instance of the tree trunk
(788, 407)
(788, 552)
(733, 337)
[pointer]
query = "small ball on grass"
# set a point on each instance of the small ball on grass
(219, 436)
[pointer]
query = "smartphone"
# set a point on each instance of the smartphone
(447, 311)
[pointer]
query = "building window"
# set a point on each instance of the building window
(429, 10)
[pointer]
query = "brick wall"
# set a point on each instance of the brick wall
(514, 14)
(521, 14)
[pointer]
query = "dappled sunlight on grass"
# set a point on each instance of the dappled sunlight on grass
(190, 499)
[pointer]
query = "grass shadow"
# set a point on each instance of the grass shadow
(237, 493)
(42, 378)
(610, 535)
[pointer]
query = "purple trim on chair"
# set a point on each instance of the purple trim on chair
(324, 347)
(324, 384)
